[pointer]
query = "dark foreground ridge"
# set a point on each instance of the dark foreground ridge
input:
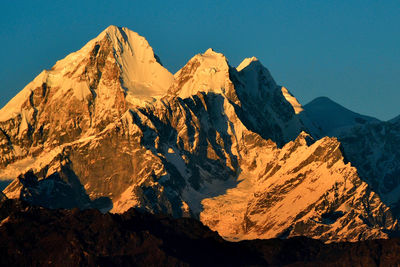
(34, 236)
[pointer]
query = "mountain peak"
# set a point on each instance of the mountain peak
(121, 33)
(113, 28)
(246, 62)
(142, 73)
(323, 99)
(117, 58)
(212, 55)
(332, 117)
(128, 56)
(254, 72)
(210, 51)
(208, 72)
(304, 139)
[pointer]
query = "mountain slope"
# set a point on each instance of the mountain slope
(332, 118)
(395, 120)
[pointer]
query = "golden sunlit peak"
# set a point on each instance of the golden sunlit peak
(246, 62)
(210, 51)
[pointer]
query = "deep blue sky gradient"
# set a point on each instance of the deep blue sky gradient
(346, 50)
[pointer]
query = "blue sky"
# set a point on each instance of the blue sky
(348, 51)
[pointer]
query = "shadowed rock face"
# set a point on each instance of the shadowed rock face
(374, 149)
(59, 190)
(2, 197)
(90, 238)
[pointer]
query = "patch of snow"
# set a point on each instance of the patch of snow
(174, 158)
(246, 62)
(127, 200)
(13, 170)
(292, 100)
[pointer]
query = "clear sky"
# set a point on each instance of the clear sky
(348, 50)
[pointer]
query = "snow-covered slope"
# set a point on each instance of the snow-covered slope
(108, 127)
(208, 72)
(301, 189)
(333, 118)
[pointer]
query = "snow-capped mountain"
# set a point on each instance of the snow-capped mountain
(109, 127)
(81, 94)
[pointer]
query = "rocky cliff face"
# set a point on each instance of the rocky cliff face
(108, 127)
